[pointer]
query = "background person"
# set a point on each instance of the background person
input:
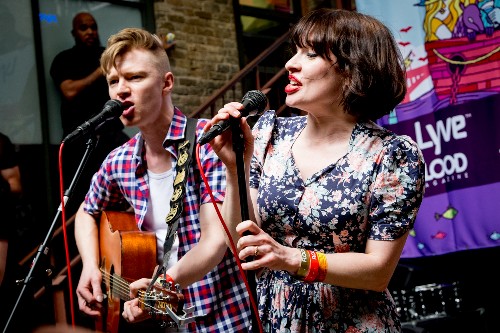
(333, 195)
(78, 76)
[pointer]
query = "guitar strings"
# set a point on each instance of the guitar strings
(121, 288)
(119, 285)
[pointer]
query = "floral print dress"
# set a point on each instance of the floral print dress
(373, 192)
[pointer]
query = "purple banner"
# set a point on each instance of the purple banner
(461, 148)
(460, 145)
(452, 111)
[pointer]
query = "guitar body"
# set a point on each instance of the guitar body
(124, 251)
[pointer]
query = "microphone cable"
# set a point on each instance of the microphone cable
(66, 247)
(253, 303)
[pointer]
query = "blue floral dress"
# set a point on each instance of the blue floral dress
(373, 192)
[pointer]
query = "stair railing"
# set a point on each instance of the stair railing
(218, 98)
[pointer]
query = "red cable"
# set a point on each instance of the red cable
(68, 262)
(233, 247)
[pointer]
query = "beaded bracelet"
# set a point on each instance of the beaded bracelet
(323, 266)
(313, 270)
(304, 264)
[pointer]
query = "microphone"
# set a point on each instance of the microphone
(112, 109)
(254, 100)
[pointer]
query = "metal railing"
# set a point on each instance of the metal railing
(234, 85)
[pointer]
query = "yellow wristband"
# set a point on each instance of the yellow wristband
(304, 264)
(323, 266)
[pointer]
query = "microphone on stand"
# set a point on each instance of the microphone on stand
(254, 100)
(111, 110)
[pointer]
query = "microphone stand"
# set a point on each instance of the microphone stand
(238, 148)
(43, 249)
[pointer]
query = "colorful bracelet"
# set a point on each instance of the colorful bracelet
(323, 266)
(313, 270)
(304, 265)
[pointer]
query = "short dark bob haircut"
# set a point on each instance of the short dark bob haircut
(367, 55)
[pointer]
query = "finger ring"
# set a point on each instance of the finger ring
(256, 252)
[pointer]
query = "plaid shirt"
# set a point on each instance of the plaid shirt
(122, 181)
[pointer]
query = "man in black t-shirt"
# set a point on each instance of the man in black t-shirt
(77, 74)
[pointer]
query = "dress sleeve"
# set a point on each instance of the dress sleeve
(397, 190)
(262, 132)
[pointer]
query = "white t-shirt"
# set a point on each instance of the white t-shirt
(161, 188)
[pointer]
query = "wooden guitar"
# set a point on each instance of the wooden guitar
(128, 254)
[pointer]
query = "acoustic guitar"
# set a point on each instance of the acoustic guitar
(128, 254)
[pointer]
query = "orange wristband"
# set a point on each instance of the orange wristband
(323, 266)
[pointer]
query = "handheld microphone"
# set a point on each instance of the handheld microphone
(112, 109)
(254, 100)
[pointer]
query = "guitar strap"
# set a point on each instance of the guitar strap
(185, 150)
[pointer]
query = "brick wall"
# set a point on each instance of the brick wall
(205, 55)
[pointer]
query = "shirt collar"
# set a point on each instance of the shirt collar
(176, 131)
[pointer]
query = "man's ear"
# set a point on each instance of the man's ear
(168, 82)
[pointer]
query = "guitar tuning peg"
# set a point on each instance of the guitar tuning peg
(163, 282)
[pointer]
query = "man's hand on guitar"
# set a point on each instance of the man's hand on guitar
(132, 311)
(89, 291)
(158, 301)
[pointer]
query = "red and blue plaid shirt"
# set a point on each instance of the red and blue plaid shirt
(122, 181)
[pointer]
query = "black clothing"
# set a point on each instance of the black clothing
(8, 159)
(75, 64)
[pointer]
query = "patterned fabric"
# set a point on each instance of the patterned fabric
(373, 192)
(122, 181)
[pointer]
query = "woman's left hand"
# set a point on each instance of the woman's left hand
(266, 251)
